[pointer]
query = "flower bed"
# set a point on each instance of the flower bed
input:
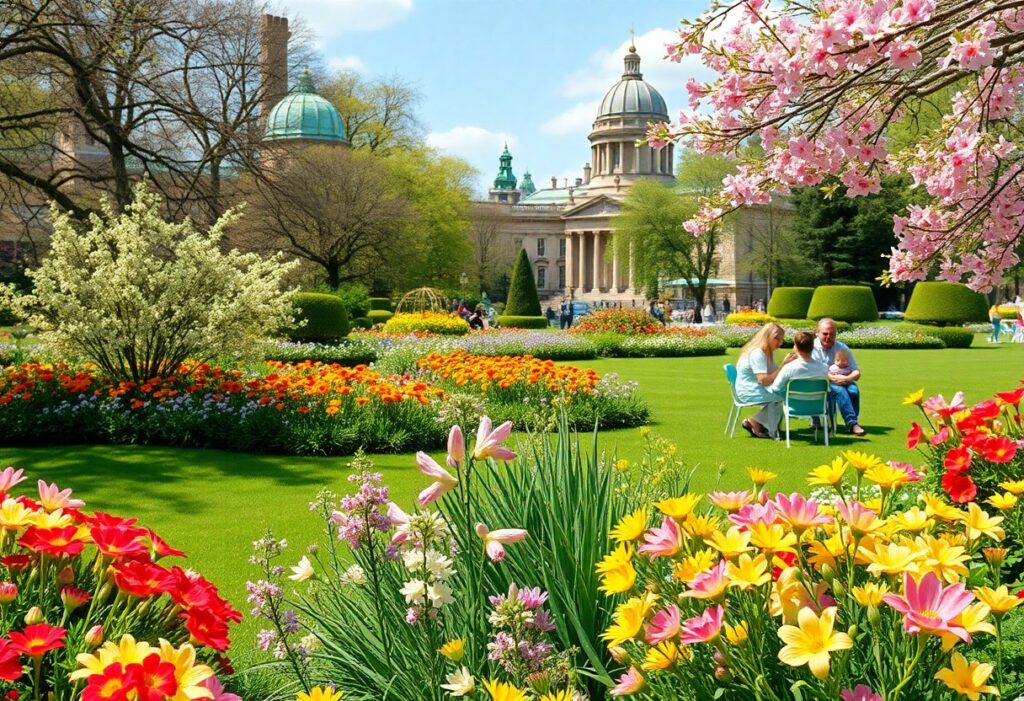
(887, 337)
(527, 389)
(748, 317)
(441, 323)
(304, 408)
(621, 321)
(667, 345)
(345, 353)
(92, 610)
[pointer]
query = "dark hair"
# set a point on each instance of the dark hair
(804, 341)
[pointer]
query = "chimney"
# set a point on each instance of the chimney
(579, 181)
(554, 183)
(273, 62)
(586, 174)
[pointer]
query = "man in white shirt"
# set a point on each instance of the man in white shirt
(842, 388)
(800, 365)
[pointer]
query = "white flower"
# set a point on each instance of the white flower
(440, 595)
(436, 564)
(302, 571)
(310, 643)
(354, 575)
(460, 683)
(414, 591)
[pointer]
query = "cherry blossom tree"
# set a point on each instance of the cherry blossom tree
(822, 84)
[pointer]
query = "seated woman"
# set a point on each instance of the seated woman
(755, 372)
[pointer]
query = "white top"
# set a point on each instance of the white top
(834, 369)
(798, 369)
(828, 357)
(748, 367)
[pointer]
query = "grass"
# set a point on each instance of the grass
(214, 503)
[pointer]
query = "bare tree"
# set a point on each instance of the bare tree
(493, 251)
(379, 114)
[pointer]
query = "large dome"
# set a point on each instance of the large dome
(302, 114)
(632, 94)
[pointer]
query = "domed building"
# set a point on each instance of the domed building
(304, 117)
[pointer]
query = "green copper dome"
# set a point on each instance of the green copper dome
(526, 186)
(505, 180)
(302, 114)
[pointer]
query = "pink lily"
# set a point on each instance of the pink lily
(456, 447)
(488, 441)
(10, 477)
(861, 692)
(213, 685)
(800, 513)
(495, 541)
(53, 497)
(443, 480)
(709, 584)
(398, 518)
(629, 683)
(929, 607)
(704, 627)
(755, 513)
(663, 626)
(662, 541)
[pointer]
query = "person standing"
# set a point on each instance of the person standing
(667, 311)
(565, 313)
(997, 322)
(842, 388)
(726, 305)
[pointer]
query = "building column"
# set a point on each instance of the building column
(570, 277)
(581, 259)
(596, 264)
(615, 265)
(632, 278)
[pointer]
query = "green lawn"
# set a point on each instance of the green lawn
(214, 503)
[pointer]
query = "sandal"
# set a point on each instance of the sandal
(857, 430)
(748, 428)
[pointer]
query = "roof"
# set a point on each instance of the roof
(302, 114)
(632, 94)
(558, 195)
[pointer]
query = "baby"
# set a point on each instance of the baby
(842, 364)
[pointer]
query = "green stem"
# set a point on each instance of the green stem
(922, 641)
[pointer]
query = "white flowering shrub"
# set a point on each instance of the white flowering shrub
(138, 295)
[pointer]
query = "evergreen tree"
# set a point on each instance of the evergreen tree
(522, 290)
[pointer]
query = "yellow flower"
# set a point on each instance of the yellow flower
(661, 656)
(760, 477)
(936, 508)
(687, 570)
(501, 691)
(126, 651)
(913, 520)
(731, 543)
(629, 618)
(700, 526)
(861, 462)
(967, 678)
(563, 695)
(14, 514)
(870, 594)
(1003, 502)
(1016, 487)
(828, 474)
(772, 537)
(678, 507)
(914, 397)
(630, 527)
(891, 558)
(811, 642)
(947, 562)
(886, 476)
(622, 464)
(454, 650)
(737, 634)
(825, 552)
(999, 600)
(619, 580)
(971, 619)
(622, 555)
(748, 572)
(320, 693)
(979, 523)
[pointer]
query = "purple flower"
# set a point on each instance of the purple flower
(533, 598)
(542, 621)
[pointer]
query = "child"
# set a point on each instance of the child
(1018, 332)
(842, 364)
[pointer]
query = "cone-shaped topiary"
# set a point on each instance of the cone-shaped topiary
(843, 303)
(522, 290)
(946, 304)
(325, 315)
(790, 302)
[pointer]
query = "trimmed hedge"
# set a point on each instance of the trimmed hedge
(345, 353)
(812, 325)
(381, 304)
(888, 338)
(843, 303)
(523, 322)
(325, 317)
(522, 290)
(952, 336)
(669, 346)
(362, 322)
(946, 304)
(378, 316)
(790, 302)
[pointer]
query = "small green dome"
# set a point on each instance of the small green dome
(302, 114)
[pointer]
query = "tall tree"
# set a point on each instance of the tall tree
(379, 114)
(493, 252)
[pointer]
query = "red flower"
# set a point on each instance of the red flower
(999, 449)
(37, 639)
(914, 436)
(115, 683)
(970, 423)
(958, 459)
(156, 679)
(974, 439)
(207, 629)
(788, 558)
(73, 597)
(959, 487)
(120, 541)
(161, 548)
(986, 410)
(99, 518)
(55, 541)
(16, 563)
(1012, 398)
(139, 578)
(10, 664)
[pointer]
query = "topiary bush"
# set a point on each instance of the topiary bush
(843, 303)
(382, 304)
(362, 322)
(378, 316)
(319, 317)
(790, 302)
(523, 322)
(522, 292)
(946, 304)
(952, 336)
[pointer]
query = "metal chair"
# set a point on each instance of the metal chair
(807, 399)
(737, 406)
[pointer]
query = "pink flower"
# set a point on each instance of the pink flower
(800, 513)
(704, 627)
(456, 447)
(443, 480)
(663, 626)
(629, 683)
(754, 513)
(217, 689)
(53, 497)
(861, 692)
(495, 541)
(488, 442)
(10, 477)
(709, 584)
(929, 607)
(904, 55)
(662, 541)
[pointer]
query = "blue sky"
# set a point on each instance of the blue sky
(529, 72)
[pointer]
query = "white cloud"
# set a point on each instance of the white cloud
(477, 146)
(331, 18)
(345, 63)
(573, 120)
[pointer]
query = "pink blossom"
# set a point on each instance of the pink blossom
(929, 607)
(904, 55)
(703, 628)
(53, 497)
(709, 584)
(799, 512)
(10, 477)
(665, 625)
(443, 480)
(495, 541)
(488, 441)
(861, 692)
(213, 685)
(629, 683)
(662, 541)
(755, 513)
(456, 447)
